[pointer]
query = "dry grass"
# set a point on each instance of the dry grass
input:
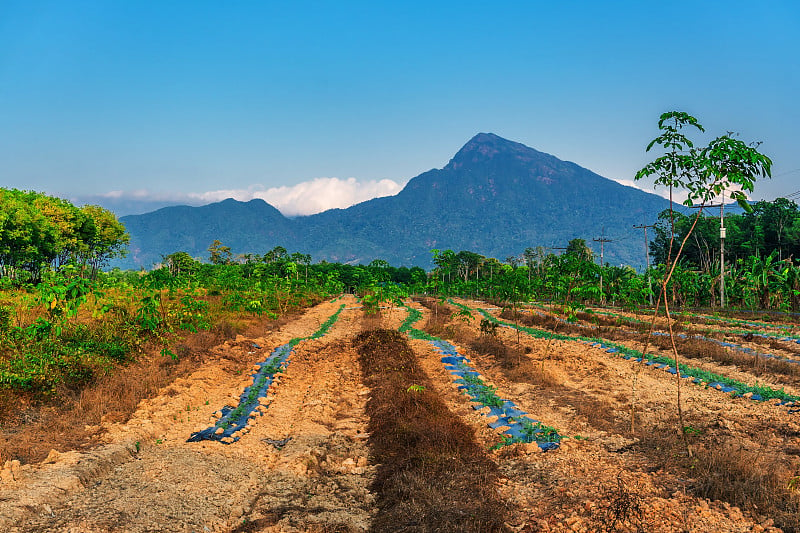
(764, 485)
(30, 430)
(514, 361)
(438, 318)
(371, 321)
(776, 344)
(691, 347)
(720, 469)
(433, 475)
(699, 349)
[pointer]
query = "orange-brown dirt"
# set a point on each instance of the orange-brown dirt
(142, 475)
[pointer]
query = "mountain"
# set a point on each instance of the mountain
(495, 197)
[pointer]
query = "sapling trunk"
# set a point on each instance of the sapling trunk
(641, 363)
(672, 334)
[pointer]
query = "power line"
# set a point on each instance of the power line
(787, 172)
(796, 193)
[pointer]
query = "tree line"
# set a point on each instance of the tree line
(38, 231)
(770, 228)
(279, 263)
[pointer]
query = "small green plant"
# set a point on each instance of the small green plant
(539, 432)
(693, 431)
(5, 318)
(415, 388)
(371, 304)
(462, 314)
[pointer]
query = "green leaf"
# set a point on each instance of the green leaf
(743, 203)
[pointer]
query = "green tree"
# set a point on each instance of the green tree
(302, 259)
(180, 263)
(275, 255)
(577, 248)
(703, 174)
(104, 237)
(219, 253)
(39, 231)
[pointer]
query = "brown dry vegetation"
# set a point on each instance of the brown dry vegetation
(71, 420)
(691, 347)
(602, 321)
(433, 476)
(721, 467)
(439, 317)
(750, 479)
(428, 468)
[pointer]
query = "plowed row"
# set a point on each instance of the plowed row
(320, 459)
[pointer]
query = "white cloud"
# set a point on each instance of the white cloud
(677, 196)
(634, 184)
(306, 198)
(321, 194)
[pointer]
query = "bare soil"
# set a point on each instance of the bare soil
(311, 464)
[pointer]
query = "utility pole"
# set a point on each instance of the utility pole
(647, 259)
(602, 240)
(721, 246)
(722, 253)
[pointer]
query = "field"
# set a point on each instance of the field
(364, 427)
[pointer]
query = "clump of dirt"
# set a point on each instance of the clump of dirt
(316, 485)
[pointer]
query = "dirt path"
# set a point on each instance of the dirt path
(146, 477)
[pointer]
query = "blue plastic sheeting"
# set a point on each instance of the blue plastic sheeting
(464, 373)
(500, 422)
(454, 360)
(738, 347)
(508, 415)
(726, 344)
(234, 419)
(722, 387)
(747, 350)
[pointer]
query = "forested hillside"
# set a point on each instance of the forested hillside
(495, 197)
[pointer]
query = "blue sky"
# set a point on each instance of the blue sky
(308, 103)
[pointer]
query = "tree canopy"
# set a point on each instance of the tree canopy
(39, 231)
